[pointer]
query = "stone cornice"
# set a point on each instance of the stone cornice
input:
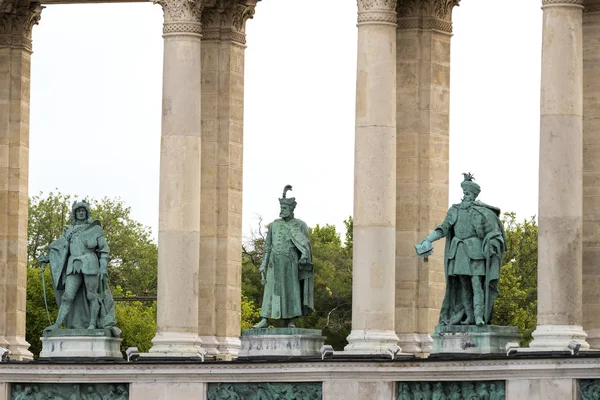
(377, 12)
(227, 20)
(16, 24)
(503, 368)
(426, 14)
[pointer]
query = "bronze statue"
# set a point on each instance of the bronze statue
(79, 268)
(475, 245)
(287, 259)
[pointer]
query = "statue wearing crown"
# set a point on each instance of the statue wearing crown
(287, 261)
(475, 245)
(78, 263)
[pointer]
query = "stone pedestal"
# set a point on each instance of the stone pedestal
(471, 339)
(281, 342)
(81, 343)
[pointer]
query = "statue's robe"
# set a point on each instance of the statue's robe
(489, 236)
(61, 265)
(290, 285)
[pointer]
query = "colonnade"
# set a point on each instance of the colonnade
(401, 174)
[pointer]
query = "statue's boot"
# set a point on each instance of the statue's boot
(291, 323)
(478, 300)
(467, 298)
(262, 324)
(63, 311)
(94, 310)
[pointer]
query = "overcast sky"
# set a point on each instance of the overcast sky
(96, 105)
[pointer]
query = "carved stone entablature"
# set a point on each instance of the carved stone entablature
(227, 20)
(16, 23)
(377, 11)
(426, 14)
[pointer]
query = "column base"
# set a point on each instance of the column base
(558, 337)
(19, 348)
(175, 344)
(210, 344)
(370, 341)
(415, 343)
(229, 347)
(593, 338)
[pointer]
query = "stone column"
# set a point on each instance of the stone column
(15, 66)
(591, 172)
(560, 184)
(422, 159)
(179, 202)
(374, 180)
(223, 50)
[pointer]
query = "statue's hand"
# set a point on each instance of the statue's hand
(262, 268)
(303, 260)
(43, 260)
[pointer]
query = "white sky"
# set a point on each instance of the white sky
(96, 105)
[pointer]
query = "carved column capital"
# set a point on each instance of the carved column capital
(16, 23)
(182, 16)
(377, 12)
(591, 6)
(426, 14)
(227, 20)
(562, 2)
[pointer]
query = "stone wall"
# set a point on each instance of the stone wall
(552, 379)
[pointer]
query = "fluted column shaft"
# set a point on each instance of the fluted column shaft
(179, 202)
(560, 182)
(15, 71)
(591, 172)
(374, 180)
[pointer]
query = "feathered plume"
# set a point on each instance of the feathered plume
(285, 189)
(468, 177)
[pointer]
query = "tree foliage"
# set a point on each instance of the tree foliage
(517, 302)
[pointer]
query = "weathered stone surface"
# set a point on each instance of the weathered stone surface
(56, 347)
(469, 339)
(281, 342)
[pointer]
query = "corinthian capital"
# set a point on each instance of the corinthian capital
(16, 23)
(377, 11)
(181, 10)
(426, 14)
(227, 20)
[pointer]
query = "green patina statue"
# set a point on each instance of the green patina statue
(79, 264)
(287, 259)
(475, 245)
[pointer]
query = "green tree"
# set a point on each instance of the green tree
(517, 302)
(137, 320)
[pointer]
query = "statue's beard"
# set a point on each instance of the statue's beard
(286, 215)
(466, 204)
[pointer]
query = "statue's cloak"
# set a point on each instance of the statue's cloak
(79, 317)
(495, 240)
(289, 288)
